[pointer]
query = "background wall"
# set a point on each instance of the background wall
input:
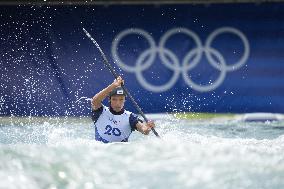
(204, 58)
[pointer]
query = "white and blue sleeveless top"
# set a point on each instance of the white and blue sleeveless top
(113, 126)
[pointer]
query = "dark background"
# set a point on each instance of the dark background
(49, 67)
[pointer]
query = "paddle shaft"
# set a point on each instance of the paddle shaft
(111, 69)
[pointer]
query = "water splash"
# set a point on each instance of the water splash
(191, 154)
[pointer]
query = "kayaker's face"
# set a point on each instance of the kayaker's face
(117, 102)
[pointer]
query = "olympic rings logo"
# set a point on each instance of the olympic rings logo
(190, 60)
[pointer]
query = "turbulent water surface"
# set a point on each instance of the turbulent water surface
(57, 153)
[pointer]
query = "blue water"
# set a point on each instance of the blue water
(58, 153)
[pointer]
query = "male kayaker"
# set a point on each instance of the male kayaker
(114, 123)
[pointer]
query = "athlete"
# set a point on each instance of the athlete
(114, 123)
